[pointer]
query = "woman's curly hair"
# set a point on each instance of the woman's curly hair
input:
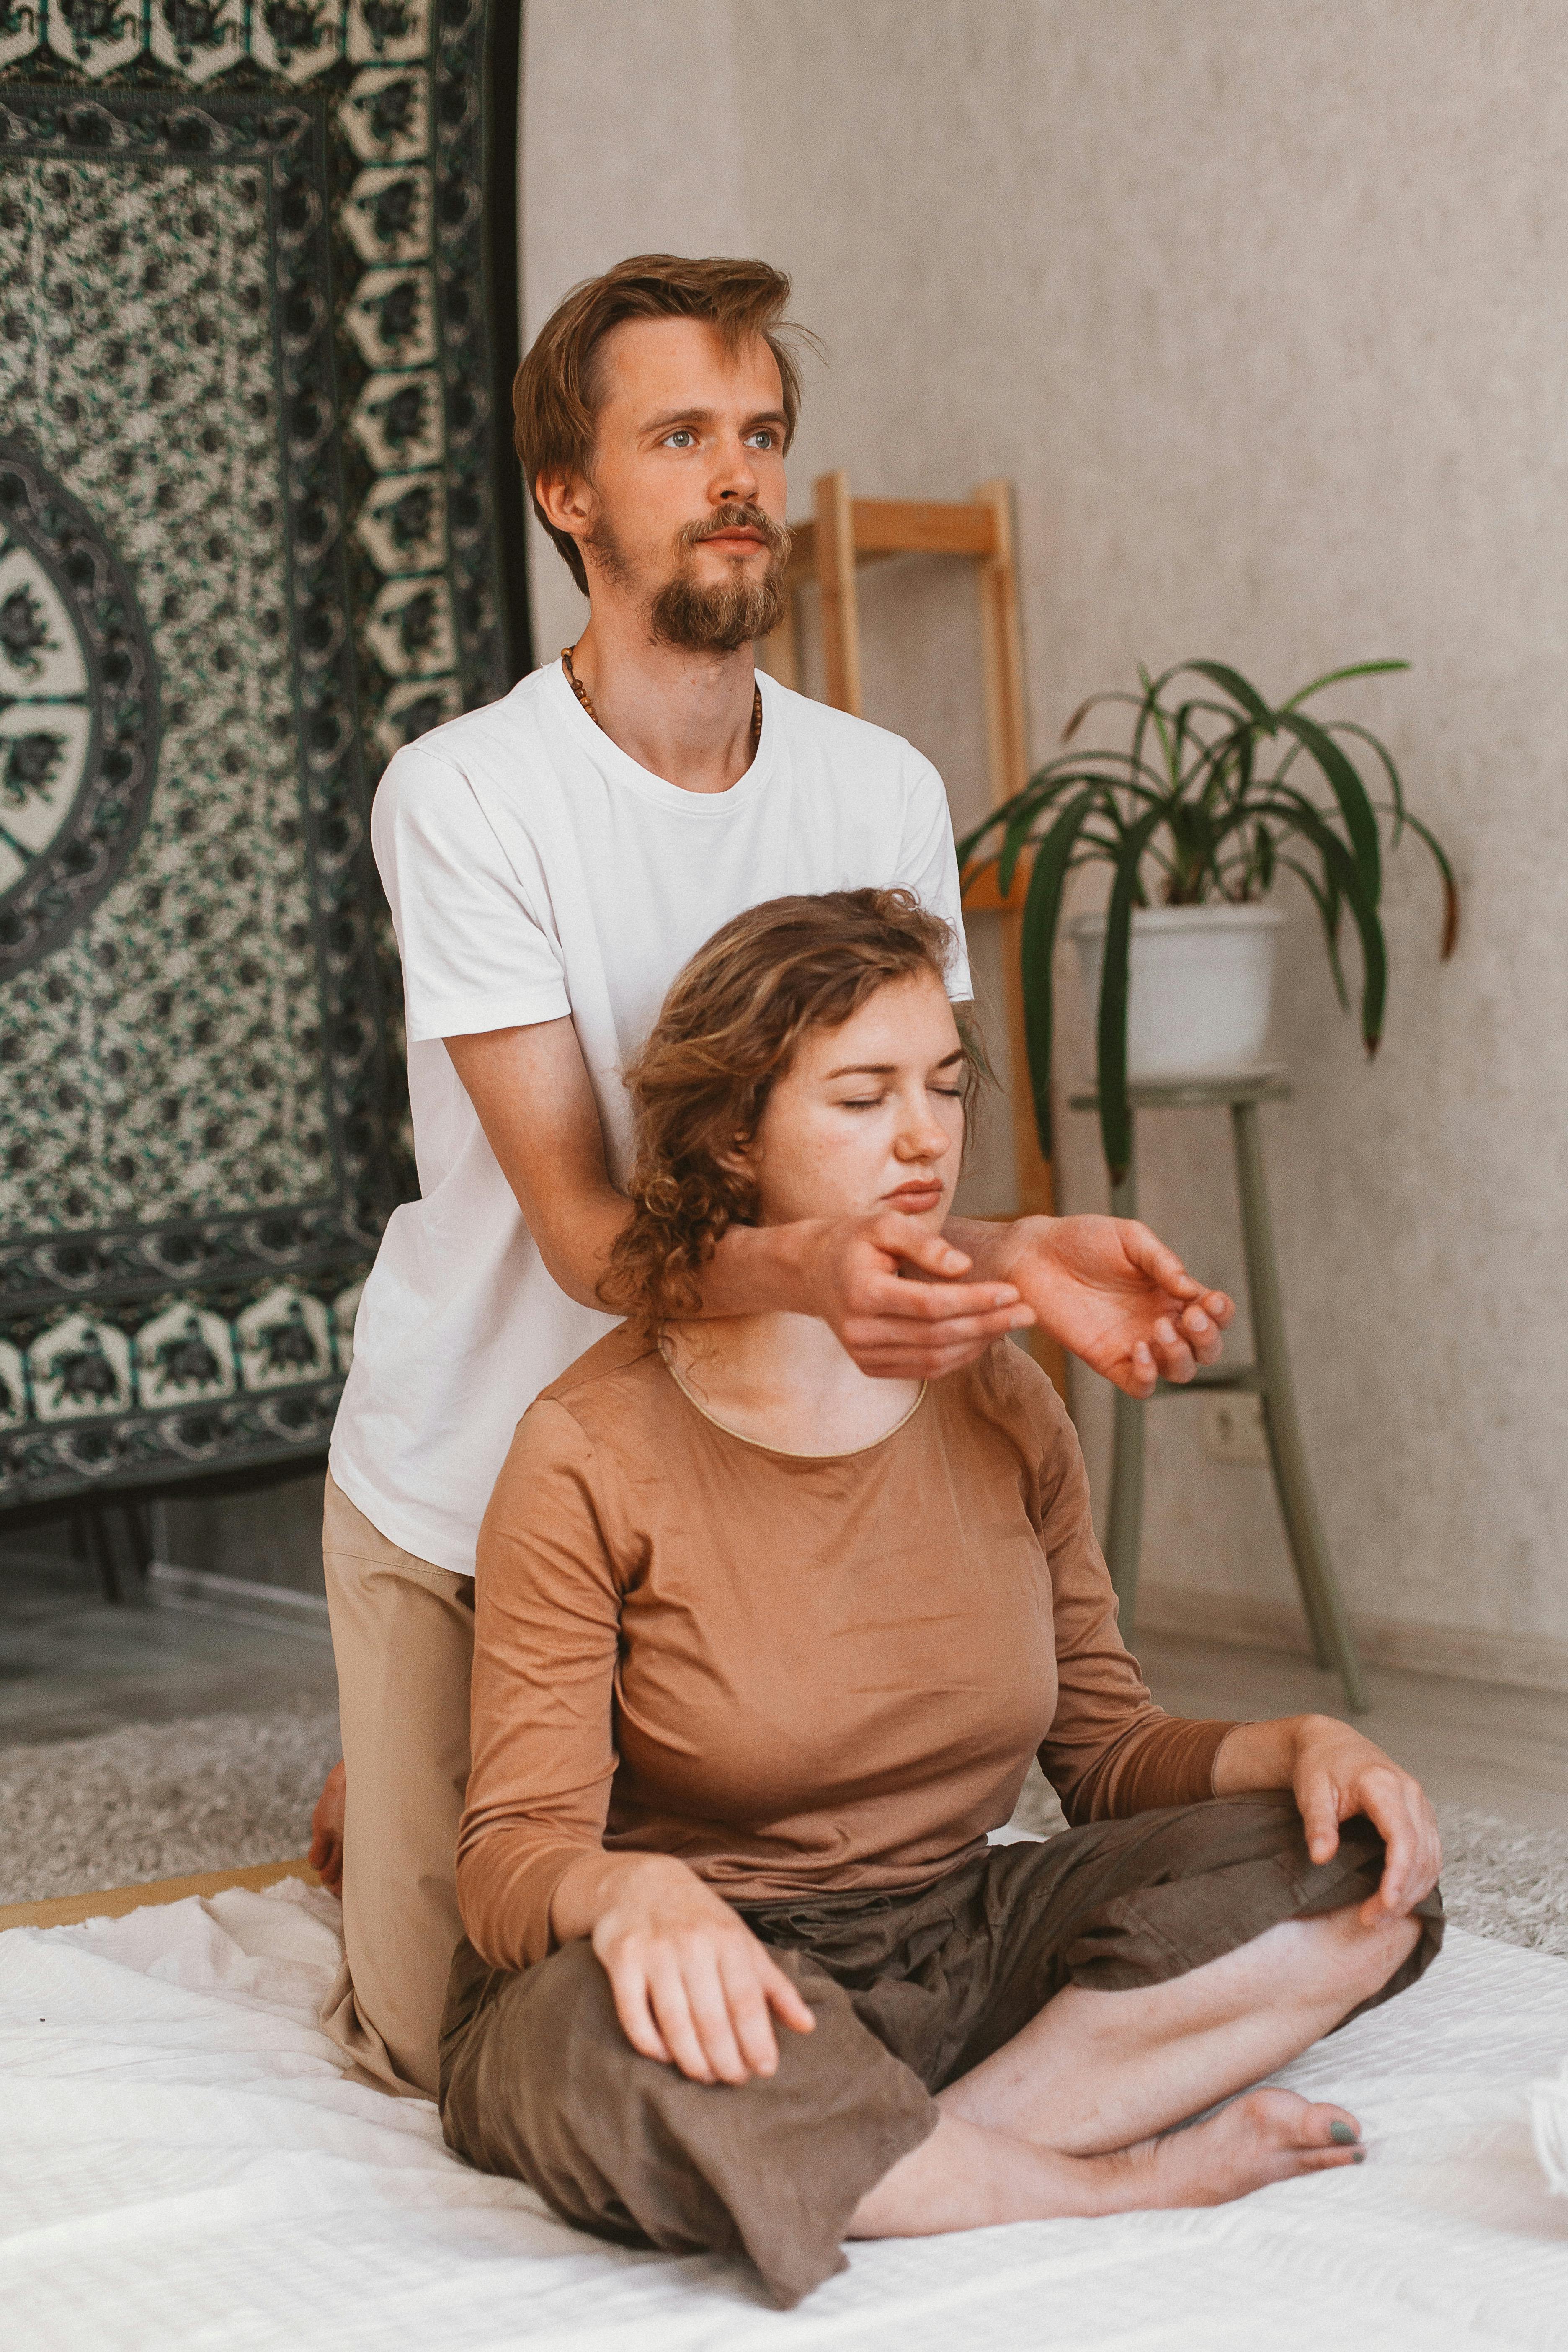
(729, 1029)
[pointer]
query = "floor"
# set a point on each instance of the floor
(1499, 1750)
(71, 1665)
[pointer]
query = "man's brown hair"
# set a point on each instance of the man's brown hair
(555, 395)
(729, 1030)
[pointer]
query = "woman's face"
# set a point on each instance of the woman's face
(870, 1117)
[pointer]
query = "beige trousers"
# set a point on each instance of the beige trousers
(402, 1635)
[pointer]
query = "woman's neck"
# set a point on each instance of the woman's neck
(785, 1382)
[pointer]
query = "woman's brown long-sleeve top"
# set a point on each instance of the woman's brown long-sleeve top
(797, 1673)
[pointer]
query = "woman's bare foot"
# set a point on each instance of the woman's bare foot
(1261, 2136)
(965, 2176)
(326, 1855)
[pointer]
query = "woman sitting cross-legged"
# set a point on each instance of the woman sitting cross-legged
(763, 1649)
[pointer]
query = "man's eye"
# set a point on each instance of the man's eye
(762, 438)
(680, 439)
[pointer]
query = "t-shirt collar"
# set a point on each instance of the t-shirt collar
(619, 767)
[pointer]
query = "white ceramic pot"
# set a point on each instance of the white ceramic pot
(1200, 984)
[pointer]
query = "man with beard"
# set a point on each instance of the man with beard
(551, 861)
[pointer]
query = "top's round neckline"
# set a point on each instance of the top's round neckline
(785, 1453)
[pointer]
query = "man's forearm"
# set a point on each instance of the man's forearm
(755, 1270)
(531, 1092)
(576, 1246)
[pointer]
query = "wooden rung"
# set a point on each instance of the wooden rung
(923, 527)
(885, 526)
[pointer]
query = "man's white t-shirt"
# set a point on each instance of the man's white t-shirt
(535, 870)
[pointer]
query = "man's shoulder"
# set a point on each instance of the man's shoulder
(839, 738)
(477, 740)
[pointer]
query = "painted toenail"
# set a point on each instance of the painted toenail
(1358, 2156)
(1343, 2135)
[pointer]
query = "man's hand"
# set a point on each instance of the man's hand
(1103, 1285)
(326, 1855)
(693, 1987)
(1336, 1772)
(855, 1272)
(1108, 1289)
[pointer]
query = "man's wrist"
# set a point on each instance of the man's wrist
(992, 1244)
(764, 1269)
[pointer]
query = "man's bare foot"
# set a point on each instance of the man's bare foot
(326, 1855)
(1263, 2135)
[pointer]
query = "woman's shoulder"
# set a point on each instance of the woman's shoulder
(600, 1424)
(1008, 1388)
(617, 1381)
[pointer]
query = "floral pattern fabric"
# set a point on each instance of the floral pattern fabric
(253, 499)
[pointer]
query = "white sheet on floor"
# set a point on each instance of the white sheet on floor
(182, 2164)
(1548, 2112)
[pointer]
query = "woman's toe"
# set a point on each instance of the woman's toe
(1326, 2138)
(1330, 2134)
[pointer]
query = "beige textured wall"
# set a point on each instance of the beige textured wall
(1261, 307)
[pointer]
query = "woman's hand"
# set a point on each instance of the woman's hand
(1336, 1772)
(1108, 1289)
(693, 1987)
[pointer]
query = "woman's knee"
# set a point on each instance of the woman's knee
(524, 2048)
(1336, 1961)
(1366, 1955)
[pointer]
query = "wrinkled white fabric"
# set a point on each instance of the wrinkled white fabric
(182, 2163)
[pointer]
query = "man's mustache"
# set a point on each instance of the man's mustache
(741, 516)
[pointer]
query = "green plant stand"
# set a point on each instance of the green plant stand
(1267, 1377)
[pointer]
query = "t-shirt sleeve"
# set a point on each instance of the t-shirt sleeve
(546, 1629)
(476, 955)
(1110, 1751)
(928, 864)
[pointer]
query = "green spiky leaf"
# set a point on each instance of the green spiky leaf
(1115, 1110)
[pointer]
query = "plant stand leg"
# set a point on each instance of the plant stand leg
(1321, 1595)
(1124, 1520)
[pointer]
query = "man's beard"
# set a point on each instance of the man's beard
(721, 618)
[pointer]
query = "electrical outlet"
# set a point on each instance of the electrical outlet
(1233, 1429)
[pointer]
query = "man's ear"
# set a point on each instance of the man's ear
(568, 503)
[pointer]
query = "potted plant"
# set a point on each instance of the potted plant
(1211, 801)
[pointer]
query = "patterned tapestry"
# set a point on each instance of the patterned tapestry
(259, 526)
